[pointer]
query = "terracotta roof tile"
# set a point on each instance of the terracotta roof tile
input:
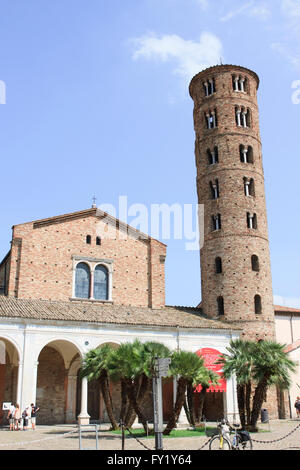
(97, 312)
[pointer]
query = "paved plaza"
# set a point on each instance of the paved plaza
(276, 435)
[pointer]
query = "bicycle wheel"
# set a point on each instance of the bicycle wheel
(244, 445)
(218, 443)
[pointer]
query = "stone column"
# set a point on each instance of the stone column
(71, 399)
(19, 383)
(84, 417)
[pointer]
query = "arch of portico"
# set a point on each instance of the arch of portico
(57, 364)
(10, 369)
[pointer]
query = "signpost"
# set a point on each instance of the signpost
(161, 368)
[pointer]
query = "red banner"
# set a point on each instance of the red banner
(210, 357)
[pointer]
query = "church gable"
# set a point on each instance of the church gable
(112, 261)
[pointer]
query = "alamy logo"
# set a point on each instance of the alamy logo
(296, 94)
(2, 92)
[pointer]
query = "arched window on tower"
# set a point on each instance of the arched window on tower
(82, 281)
(88, 239)
(249, 187)
(239, 83)
(251, 221)
(257, 305)
(214, 188)
(209, 87)
(242, 116)
(213, 156)
(101, 283)
(220, 302)
(98, 241)
(255, 263)
(211, 119)
(218, 265)
(246, 154)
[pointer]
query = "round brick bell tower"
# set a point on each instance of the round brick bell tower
(235, 261)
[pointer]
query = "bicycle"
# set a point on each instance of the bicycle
(221, 441)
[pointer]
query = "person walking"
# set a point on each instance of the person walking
(34, 410)
(297, 406)
(10, 416)
(17, 418)
(25, 416)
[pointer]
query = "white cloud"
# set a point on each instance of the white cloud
(203, 3)
(291, 8)
(189, 57)
(286, 53)
(251, 9)
(287, 301)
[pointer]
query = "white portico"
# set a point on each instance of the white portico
(43, 354)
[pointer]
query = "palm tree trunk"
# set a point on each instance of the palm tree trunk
(258, 399)
(130, 415)
(108, 402)
(131, 390)
(240, 389)
(143, 387)
(191, 404)
(202, 396)
(180, 398)
(124, 400)
(248, 404)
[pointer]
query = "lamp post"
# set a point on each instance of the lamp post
(161, 369)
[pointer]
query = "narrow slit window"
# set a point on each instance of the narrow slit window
(257, 305)
(220, 303)
(218, 265)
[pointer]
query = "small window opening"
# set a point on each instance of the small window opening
(216, 222)
(88, 239)
(246, 154)
(213, 157)
(214, 188)
(249, 187)
(255, 263)
(251, 221)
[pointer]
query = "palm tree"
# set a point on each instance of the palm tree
(272, 367)
(256, 365)
(206, 378)
(95, 367)
(133, 365)
(240, 362)
(186, 366)
(126, 364)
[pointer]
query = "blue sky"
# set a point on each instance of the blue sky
(97, 103)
